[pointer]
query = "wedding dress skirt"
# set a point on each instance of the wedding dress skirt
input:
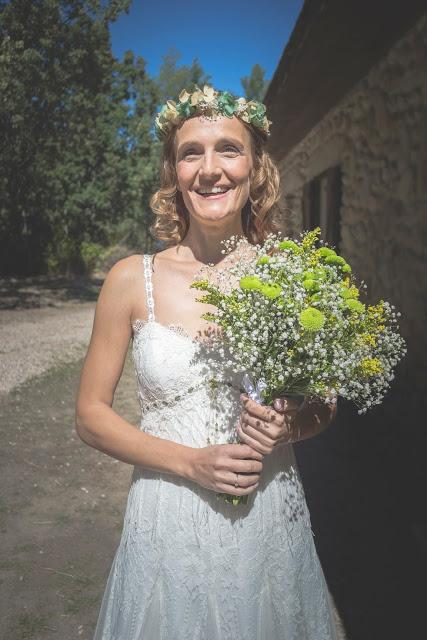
(190, 566)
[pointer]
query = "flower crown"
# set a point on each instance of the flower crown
(209, 103)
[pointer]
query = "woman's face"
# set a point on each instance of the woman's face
(213, 165)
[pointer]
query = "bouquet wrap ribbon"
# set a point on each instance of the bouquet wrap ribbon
(254, 391)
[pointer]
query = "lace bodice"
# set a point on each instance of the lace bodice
(174, 375)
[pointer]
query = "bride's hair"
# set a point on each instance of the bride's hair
(259, 215)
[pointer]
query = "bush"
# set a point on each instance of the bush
(71, 257)
(90, 253)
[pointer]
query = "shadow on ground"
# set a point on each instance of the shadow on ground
(47, 291)
(365, 485)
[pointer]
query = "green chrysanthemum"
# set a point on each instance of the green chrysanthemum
(325, 252)
(289, 244)
(346, 268)
(309, 275)
(335, 260)
(310, 285)
(312, 319)
(355, 305)
(264, 260)
(250, 283)
(320, 272)
(271, 290)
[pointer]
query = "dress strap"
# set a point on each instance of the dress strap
(148, 266)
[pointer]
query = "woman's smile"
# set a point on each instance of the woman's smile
(213, 194)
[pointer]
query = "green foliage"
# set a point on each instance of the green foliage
(173, 78)
(77, 153)
(91, 252)
(255, 86)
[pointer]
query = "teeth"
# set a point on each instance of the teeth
(212, 190)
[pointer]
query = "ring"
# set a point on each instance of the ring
(236, 484)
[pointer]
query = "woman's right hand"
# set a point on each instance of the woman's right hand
(217, 467)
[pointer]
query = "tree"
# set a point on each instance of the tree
(75, 125)
(173, 78)
(255, 86)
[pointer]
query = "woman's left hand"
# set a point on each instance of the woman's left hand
(262, 427)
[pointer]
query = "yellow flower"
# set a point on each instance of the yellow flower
(368, 338)
(310, 238)
(371, 367)
(351, 292)
(377, 311)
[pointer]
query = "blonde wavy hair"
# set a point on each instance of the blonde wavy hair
(259, 215)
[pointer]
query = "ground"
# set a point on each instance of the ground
(55, 489)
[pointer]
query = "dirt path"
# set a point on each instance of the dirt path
(61, 502)
(61, 510)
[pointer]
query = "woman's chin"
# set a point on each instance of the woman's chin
(214, 215)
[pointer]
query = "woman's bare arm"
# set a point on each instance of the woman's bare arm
(97, 424)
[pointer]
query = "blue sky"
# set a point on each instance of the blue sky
(228, 38)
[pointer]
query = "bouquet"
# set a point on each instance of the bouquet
(295, 324)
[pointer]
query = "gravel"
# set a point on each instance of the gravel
(33, 340)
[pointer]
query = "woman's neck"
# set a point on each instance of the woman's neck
(205, 244)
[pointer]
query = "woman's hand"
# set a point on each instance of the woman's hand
(262, 427)
(221, 467)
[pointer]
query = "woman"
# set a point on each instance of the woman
(190, 565)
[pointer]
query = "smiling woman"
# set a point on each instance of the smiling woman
(188, 565)
(230, 154)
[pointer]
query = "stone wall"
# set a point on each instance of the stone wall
(378, 136)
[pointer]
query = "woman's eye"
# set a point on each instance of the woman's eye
(190, 152)
(231, 149)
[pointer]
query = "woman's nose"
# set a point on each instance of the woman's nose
(210, 166)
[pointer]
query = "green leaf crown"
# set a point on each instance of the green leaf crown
(209, 103)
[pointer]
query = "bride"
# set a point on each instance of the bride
(190, 565)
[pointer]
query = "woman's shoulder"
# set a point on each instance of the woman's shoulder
(126, 269)
(124, 278)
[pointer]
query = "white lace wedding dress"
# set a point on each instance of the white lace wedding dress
(189, 566)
